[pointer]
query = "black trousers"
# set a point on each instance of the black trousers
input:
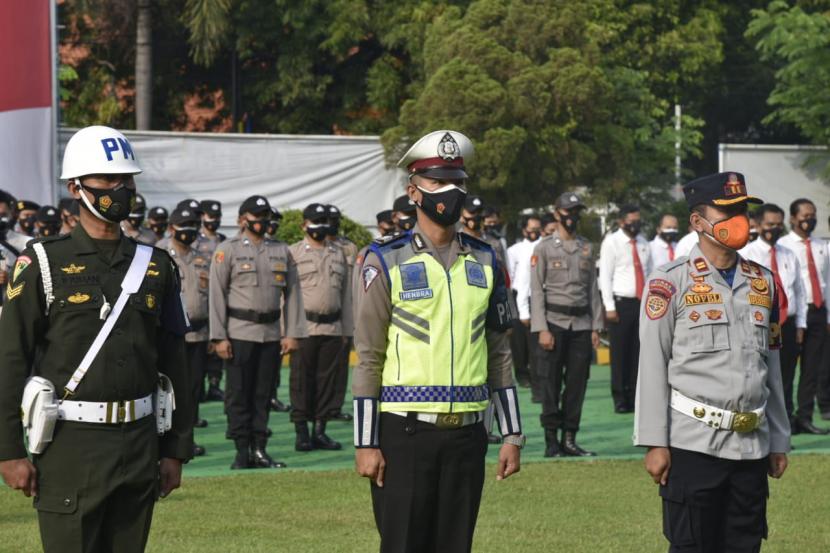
(214, 366)
(713, 505)
(432, 487)
(248, 386)
(568, 363)
(313, 382)
(789, 353)
(196, 364)
(625, 351)
(812, 358)
(524, 345)
(342, 382)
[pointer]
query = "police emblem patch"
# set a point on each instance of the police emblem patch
(279, 278)
(448, 148)
(78, 297)
(694, 316)
(150, 301)
(656, 306)
(760, 285)
(105, 202)
(414, 276)
(534, 259)
(713, 314)
(73, 269)
(369, 275)
(440, 207)
(22, 262)
(759, 316)
(475, 274)
(660, 286)
(701, 288)
(219, 257)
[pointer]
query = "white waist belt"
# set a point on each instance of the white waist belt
(446, 419)
(107, 412)
(716, 417)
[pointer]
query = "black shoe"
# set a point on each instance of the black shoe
(278, 406)
(321, 440)
(200, 423)
(807, 427)
(198, 450)
(243, 455)
(570, 447)
(261, 460)
(493, 439)
(552, 447)
(344, 417)
(622, 409)
(303, 441)
(268, 432)
(214, 393)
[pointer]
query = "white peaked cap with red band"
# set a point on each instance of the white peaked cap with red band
(439, 155)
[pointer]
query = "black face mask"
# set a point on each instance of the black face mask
(569, 222)
(406, 223)
(443, 207)
(5, 225)
(493, 230)
(212, 226)
(273, 227)
(186, 235)
(318, 231)
(114, 204)
(135, 221)
(808, 225)
(669, 236)
(633, 229)
(334, 227)
(27, 224)
(753, 235)
(256, 226)
(772, 235)
(158, 228)
(472, 223)
(49, 230)
(532, 235)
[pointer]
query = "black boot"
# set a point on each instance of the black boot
(260, 458)
(214, 393)
(200, 423)
(303, 442)
(570, 447)
(552, 447)
(243, 454)
(278, 406)
(321, 441)
(198, 450)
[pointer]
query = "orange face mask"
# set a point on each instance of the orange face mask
(732, 233)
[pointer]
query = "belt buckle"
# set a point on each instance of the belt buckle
(744, 422)
(121, 412)
(449, 420)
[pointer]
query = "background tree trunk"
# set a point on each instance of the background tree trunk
(143, 67)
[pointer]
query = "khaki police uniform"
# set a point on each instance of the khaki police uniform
(206, 245)
(565, 301)
(315, 367)
(98, 482)
(142, 234)
(351, 252)
(247, 283)
(710, 389)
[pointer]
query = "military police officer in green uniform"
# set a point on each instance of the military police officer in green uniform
(710, 402)
(432, 343)
(96, 482)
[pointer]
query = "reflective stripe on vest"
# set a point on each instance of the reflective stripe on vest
(436, 358)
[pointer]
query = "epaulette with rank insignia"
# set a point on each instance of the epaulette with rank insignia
(46, 239)
(473, 242)
(384, 243)
(678, 262)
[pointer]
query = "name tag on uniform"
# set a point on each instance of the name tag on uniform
(414, 276)
(697, 299)
(416, 294)
(475, 274)
(763, 301)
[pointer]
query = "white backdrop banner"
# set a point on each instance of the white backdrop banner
(291, 171)
(780, 174)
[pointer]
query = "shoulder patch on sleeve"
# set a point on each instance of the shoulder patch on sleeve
(20, 265)
(14, 291)
(657, 305)
(661, 287)
(370, 273)
(534, 260)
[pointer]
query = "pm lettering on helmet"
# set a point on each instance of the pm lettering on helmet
(112, 145)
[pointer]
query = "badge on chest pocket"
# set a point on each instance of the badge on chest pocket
(414, 276)
(475, 274)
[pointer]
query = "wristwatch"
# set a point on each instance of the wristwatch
(515, 439)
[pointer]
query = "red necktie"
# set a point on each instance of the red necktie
(818, 299)
(671, 252)
(639, 279)
(783, 304)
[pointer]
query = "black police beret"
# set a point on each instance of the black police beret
(334, 211)
(158, 213)
(719, 189)
(473, 204)
(315, 212)
(184, 215)
(190, 203)
(211, 208)
(384, 216)
(48, 214)
(255, 205)
(6, 198)
(140, 204)
(23, 205)
(404, 204)
(568, 200)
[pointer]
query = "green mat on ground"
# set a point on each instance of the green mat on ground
(602, 431)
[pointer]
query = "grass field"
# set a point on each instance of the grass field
(320, 505)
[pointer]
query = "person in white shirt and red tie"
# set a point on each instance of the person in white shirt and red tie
(624, 264)
(814, 262)
(792, 306)
(664, 245)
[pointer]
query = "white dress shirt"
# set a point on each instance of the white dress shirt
(616, 267)
(660, 252)
(518, 267)
(818, 247)
(789, 271)
(685, 245)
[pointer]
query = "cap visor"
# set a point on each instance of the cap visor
(739, 199)
(443, 173)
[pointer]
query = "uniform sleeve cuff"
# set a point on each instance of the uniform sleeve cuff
(506, 401)
(366, 422)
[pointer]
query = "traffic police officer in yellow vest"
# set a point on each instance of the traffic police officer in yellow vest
(433, 350)
(710, 403)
